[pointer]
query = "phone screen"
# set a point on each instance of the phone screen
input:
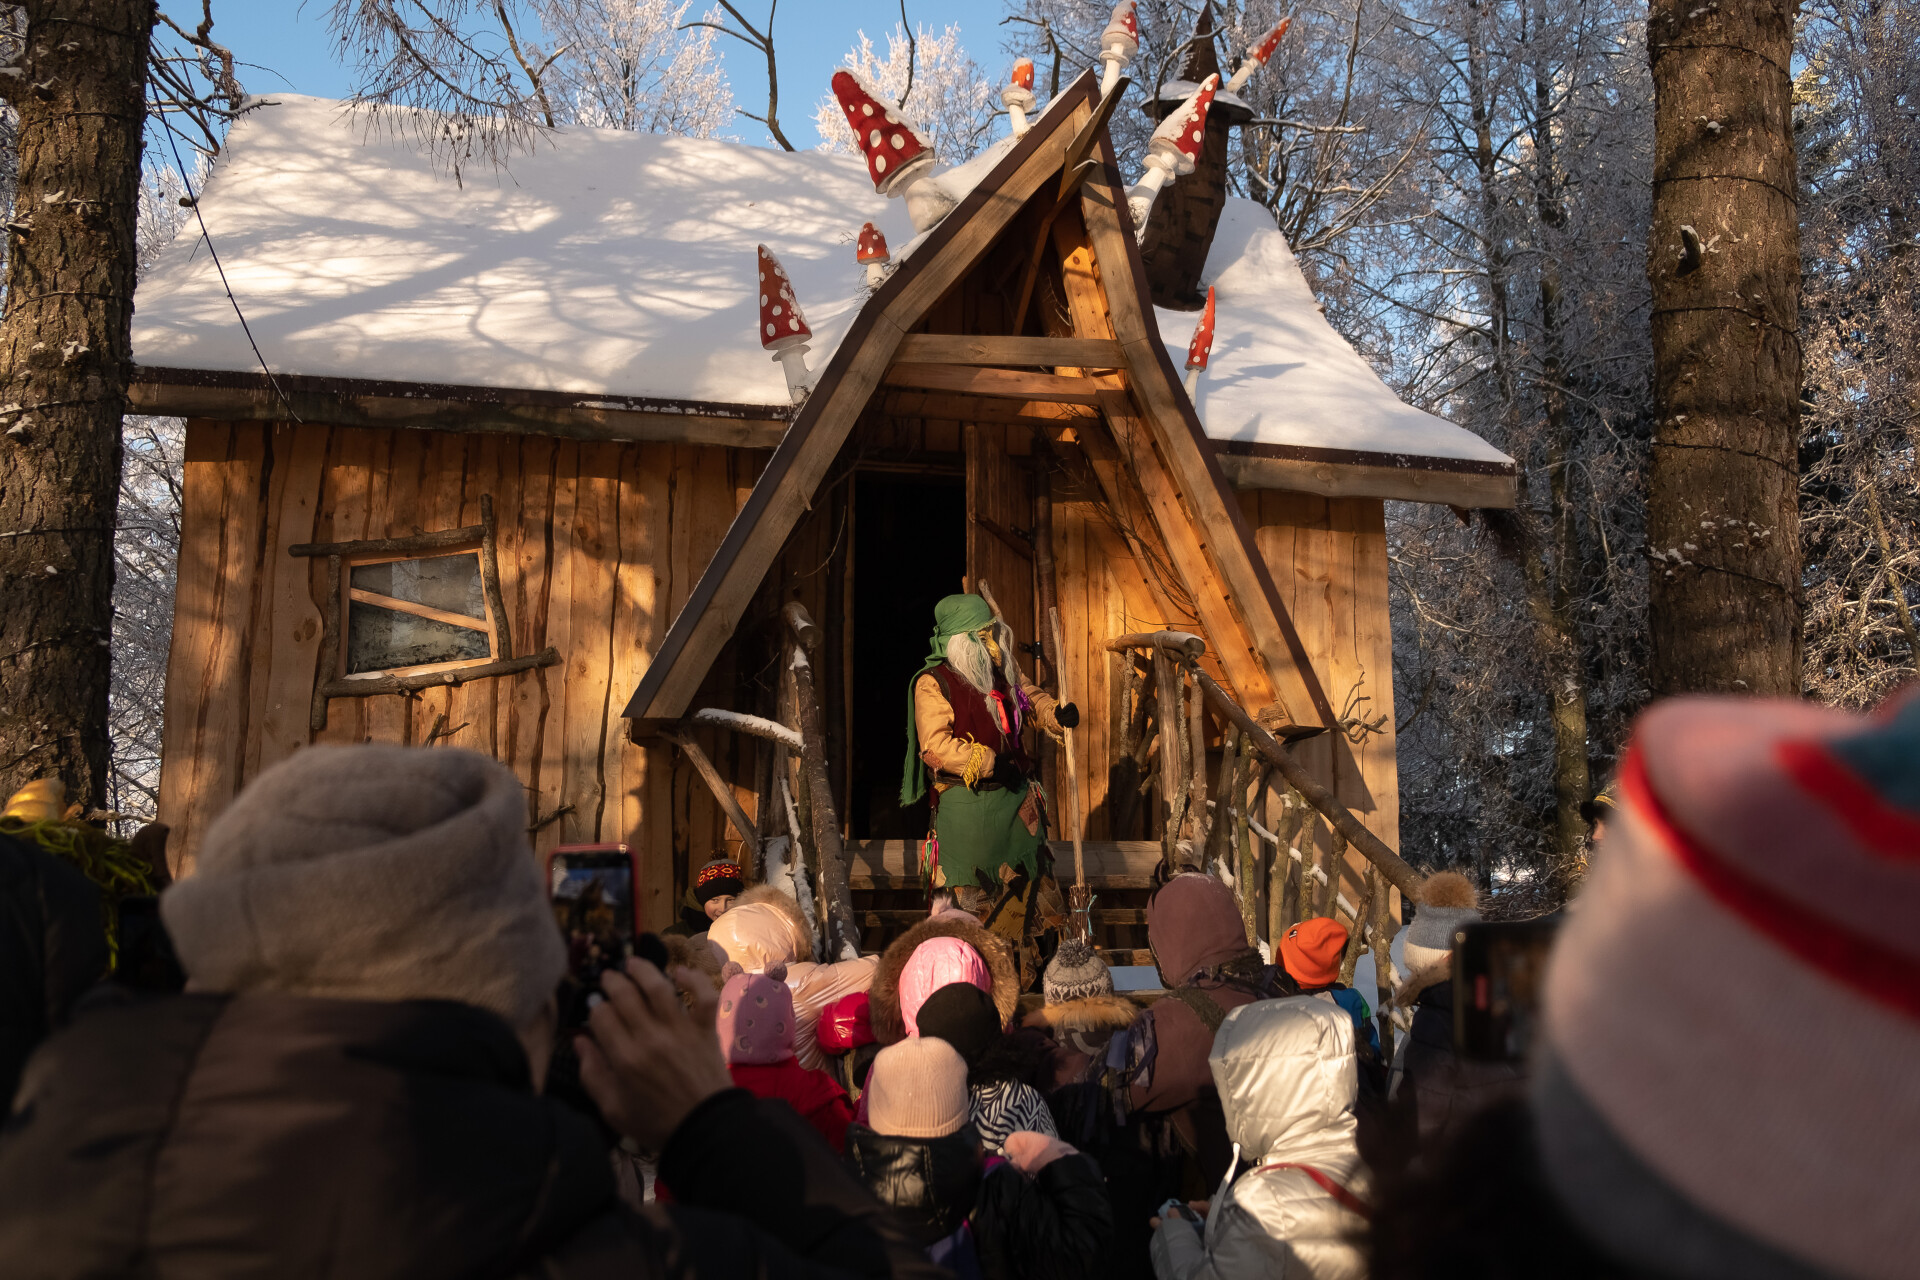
(592, 892)
(1497, 971)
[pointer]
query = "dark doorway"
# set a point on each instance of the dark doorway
(909, 550)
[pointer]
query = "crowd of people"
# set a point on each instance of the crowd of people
(362, 1068)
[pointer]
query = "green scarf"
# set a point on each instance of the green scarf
(953, 616)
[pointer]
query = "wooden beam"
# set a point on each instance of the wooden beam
(372, 686)
(843, 932)
(1183, 643)
(729, 805)
(343, 402)
(1011, 352)
(418, 610)
(1188, 456)
(1013, 541)
(461, 539)
(1463, 489)
(947, 407)
(1002, 384)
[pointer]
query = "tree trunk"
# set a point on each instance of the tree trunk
(1723, 257)
(843, 930)
(65, 353)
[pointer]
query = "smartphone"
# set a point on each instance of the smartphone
(591, 887)
(1497, 972)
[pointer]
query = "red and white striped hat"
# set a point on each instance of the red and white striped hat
(1733, 1007)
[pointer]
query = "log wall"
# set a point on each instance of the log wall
(599, 544)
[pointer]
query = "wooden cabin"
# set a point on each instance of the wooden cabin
(522, 480)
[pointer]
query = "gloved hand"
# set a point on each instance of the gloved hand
(1007, 774)
(1067, 716)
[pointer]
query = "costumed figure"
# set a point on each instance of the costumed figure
(966, 709)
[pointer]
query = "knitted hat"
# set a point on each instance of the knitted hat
(721, 876)
(1311, 951)
(1075, 973)
(933, 964)
(373, 873)
(756, 1016)
(964, 1016)
(1446, 902)
(917, 1089)
(1732, 1015)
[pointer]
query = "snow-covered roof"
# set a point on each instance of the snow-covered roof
(1280, 374)
(619, 264)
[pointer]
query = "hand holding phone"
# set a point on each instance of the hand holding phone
(1497, 972)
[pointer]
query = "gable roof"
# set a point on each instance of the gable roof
(1262, 657)
(610, 271)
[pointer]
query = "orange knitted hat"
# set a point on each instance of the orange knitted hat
(1311, 951)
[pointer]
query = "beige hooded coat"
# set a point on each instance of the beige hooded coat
(1285, 1071)
(764, 928)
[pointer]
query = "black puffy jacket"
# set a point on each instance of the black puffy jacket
(1050, 1225)
(212, 1138)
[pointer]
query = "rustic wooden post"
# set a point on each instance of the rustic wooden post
(843, 931)
(1384, 927)
(1173, 788)
(1220, 839)
(1078, 900)
(749, 834)
(1357, 940)
(1200, 819)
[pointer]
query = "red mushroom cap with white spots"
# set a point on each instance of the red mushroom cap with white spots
(1023, 73)
(1123, 27)
(1202, 345)
(872, 246)
(781, 324)
(1269, 42)
(890, 143)
(1186, 128)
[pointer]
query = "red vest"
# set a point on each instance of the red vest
(974, 716)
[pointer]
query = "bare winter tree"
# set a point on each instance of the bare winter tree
(1859, 149)
(636, 65)
(1724, 260)
(952, 99)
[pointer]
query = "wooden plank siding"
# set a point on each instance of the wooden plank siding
(598, 543)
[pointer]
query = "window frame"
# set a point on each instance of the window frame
(332, 679)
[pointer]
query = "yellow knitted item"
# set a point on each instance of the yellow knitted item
(977, 754)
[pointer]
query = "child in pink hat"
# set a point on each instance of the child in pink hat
(756, 1027)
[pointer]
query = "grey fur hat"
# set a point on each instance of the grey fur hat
(1446, 901)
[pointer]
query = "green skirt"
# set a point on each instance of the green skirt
(983, 830)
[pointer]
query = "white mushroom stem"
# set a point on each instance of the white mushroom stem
(1161, 169)
(1192, 382)
(793, 361)
(876, 272)
(1018, 102)
(927, 201)
(1115, 56)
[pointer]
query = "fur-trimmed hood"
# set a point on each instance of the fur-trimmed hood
(1420, 979)
(1089, 1013)
(889, 1027)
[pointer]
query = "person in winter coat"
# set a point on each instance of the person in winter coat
(766, 927)
(352, 1085)
(1285, 1071)
(1311, 952)
(715, 887)
(1039, 1213)
(1722, 1070)
(1431, 1088)
(53, 946)
(756, 1029)
(908, 974)
(1001, 1099)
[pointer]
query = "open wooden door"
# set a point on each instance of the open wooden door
(1000, 525)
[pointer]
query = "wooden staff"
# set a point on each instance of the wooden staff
(1073, 769)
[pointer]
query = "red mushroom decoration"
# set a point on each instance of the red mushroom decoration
(1017, 97)
(1201, 347)
(1258, 55)
(783, 330)
(1118, 43)
(899, 156)
(1173, 150)
(871, 253)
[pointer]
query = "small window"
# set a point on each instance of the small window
(407, 614)
(404, 615)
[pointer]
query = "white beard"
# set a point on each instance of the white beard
(966, 655)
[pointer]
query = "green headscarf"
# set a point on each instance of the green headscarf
(953, 616)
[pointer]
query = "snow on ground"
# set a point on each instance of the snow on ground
(619, 264)
(1279, 373)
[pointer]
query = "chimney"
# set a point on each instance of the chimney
(1180, 228)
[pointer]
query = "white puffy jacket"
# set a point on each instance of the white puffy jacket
(1286, 1076)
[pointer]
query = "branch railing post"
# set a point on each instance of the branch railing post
(843, 931)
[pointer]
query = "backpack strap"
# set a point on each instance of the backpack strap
(1203, 1005)
(1347, 1199)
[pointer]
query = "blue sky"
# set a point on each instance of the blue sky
(290, 49)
